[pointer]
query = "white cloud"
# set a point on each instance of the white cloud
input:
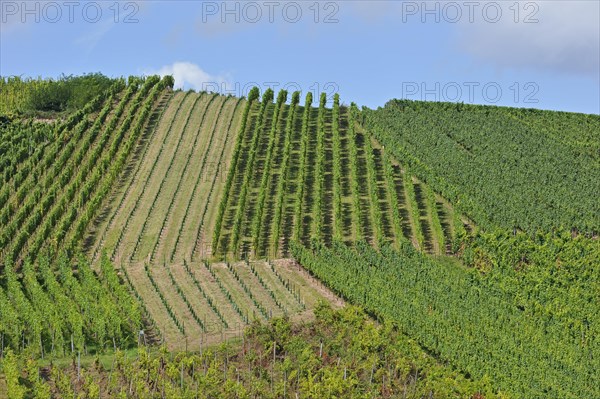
(565, 38)
(190, 76)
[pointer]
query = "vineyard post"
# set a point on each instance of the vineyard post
(225, 364)
(111, 372)
(321, 350)
(182, 366)
(273, 366)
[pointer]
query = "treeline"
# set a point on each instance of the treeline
(66, 93)
(28, 96)
(525, 316)
(343, 354)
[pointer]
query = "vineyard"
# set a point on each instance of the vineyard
(161, 211)
(202, 303)
(55, 175)
(53, 311)
(302, 173)
(180, 208)
(59, 187)
(534, 168)
(502, 324)
(238, 234)
(157, 221)
(330, 358)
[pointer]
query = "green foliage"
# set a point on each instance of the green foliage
(252, 97)
(303, 155)
(319, 175)
(282, 181)
(12, 373)
(61, 187)
(459, 233)
(413, 206)
(51, 306)
(67, 93)
(330, 182)
(169, 81)
(267, 99)
(254, 94)
(436, 224)
(519, 314)
(21, 146)
(524, 328)
(395, 202)
(502, 167)
(354, 185)
(337, 172)
(257, 221)
(375, 209)
(39, 388)
(342, 354)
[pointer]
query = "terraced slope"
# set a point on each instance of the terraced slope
(202, 303)
(303, 173)
(163, 209)
(227, 178)
(57, 194)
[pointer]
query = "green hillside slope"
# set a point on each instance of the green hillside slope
(472, 229)
(533, 331)
(507, 167)
(307, 172)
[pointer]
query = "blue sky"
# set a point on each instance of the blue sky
(540, 54)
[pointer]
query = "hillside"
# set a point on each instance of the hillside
(302, 173)
(222, 178)
(504, 167)
(162, 208)
(524, 329)
(470, 229)
(61, 183)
